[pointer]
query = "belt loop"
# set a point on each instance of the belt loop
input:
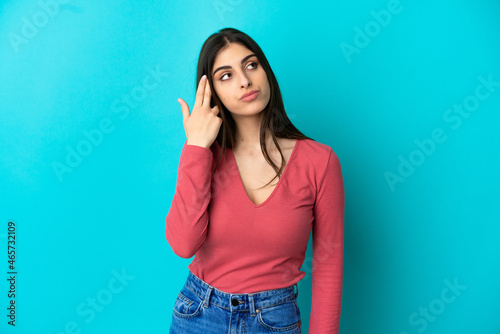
(297, 293)
(252, 304)
(206, 301)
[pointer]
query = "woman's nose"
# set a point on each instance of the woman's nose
(245, 80)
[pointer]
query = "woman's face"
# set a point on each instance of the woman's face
(235, 73)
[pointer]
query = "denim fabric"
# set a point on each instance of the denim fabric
(202, 308)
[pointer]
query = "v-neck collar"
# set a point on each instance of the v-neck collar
(276, 188)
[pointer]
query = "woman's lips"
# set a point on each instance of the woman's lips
(250, 97)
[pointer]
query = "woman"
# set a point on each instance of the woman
(248, 236)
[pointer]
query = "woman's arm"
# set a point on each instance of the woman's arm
(187, 219)
(328, 247)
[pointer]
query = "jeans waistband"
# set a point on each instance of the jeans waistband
(239, 301)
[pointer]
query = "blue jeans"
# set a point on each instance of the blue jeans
(202, 308)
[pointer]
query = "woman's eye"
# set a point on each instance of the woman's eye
(254, 65)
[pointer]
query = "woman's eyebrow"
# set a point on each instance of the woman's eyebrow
(227, 67)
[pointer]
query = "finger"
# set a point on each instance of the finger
(185, 109)
(216, 110)
(208, 93)
(200, 92)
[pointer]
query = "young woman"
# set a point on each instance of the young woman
(248, 236)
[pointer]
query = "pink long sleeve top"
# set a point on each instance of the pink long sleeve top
(240, 247)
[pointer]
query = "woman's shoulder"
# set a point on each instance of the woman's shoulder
(319, 160)
(315, 151)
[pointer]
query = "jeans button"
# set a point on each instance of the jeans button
(235, 302)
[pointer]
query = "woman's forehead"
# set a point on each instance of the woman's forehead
(232, 54)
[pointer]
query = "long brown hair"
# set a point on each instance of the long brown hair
(274, 117)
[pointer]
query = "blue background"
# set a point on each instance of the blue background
(105, 216)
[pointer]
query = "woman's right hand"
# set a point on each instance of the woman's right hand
(203, 124)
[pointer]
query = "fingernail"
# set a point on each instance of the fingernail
(204, 76)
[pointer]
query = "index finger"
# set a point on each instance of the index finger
(200, 91)
(208, 93)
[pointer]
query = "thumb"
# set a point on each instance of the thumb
(185, 109)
